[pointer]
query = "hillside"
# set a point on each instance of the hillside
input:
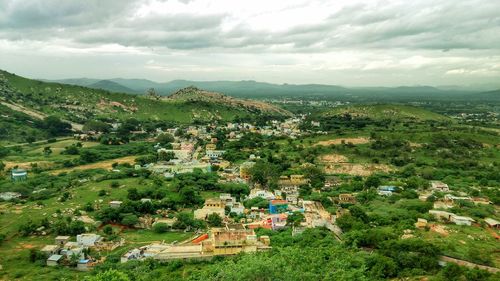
(79, 104)
(18, 127)
(255, 89)
(195, 95)
(386, 111)
(111, 86)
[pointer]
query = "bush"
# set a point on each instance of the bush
(108, 229)
(161, 227)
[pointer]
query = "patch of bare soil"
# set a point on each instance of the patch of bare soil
(333, 158)
(441, 229)
(356, 169)
(107, 164)
(28, 165)
(358, 140)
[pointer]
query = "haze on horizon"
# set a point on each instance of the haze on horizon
(347, 42)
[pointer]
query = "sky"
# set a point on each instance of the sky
(341, 42)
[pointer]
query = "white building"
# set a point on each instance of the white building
(215, 153)
(88, 239)
(268, 195)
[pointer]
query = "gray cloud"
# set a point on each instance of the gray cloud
(448, 37)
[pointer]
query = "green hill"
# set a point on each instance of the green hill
(111, 86)
(386, 112)
(79, 104)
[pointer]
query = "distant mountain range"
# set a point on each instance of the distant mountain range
(254, 89)
(78, 104)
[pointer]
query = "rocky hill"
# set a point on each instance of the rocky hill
(79, 104)
(194, 95)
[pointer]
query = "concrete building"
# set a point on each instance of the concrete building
(61, 240)
(211, 206)
(215, 153)
(268, 195)
(115, 204)
(461, 220)
(238, 208)
(88, 239)
(347, 198)
(50, 249)
(18, 174)
(54, 260)
(492, 223)
(278, 206)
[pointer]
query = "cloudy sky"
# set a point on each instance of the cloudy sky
(344, 42)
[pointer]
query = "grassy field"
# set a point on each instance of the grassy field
(387, 111)
(461, 240)
(15, 249)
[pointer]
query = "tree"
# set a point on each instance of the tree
(160, 227)
(130, 220)
(264, 172)
(214, 220)
(315, 176)
(30, 139)
(47, 151)
(114, 184)
(2, 166)
(96, 126)
(109, 275)
(166, 155)
(133, 194)
(55, 126)
(165, 138)
(88, 156)
(295, 219)
(373, 181)
(108, 229)
(71, 150)
(358, 213)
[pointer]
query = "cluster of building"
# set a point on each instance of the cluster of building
(64, 251)
(219, 241)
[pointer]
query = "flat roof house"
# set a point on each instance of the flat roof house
(492, 223)
(54, 260)
(18, 174)
(61, 240)
(88, 239)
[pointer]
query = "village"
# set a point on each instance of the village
(194, 149)
(221, 189)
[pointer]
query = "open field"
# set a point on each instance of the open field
(358, 140)
(107, 164)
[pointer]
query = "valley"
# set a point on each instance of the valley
(203, 186)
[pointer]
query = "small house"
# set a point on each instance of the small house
(115, 204)
(54, 260)
(237, 208)
(83, 265)
(347, 198)
(50, 250)
(61, 240)
(461, 220)
(18, 174)
(88, 239)
(421, 223)
(278, 206)
(492, 223)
